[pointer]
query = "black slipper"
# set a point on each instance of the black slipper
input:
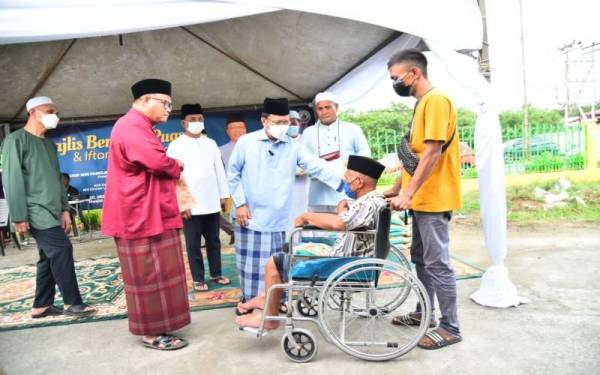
(438, 341)
(78, 311)
(50, 311)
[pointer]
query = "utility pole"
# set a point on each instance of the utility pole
(524, 73)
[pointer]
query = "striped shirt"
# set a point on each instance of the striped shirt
(361, 214)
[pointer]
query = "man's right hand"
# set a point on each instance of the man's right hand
(242, 215)
(187, 214)
(22, 226)
(390, 193)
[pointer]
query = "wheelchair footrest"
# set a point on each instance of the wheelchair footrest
(254, 331)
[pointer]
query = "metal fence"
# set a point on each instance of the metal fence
(551, 148)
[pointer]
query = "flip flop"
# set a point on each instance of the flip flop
(78, 311)
(221, 280)
(438, 341)
(408, 320)
(167, 342)
(200, 287)
(50, 311)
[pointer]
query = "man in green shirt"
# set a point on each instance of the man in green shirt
(37, 202)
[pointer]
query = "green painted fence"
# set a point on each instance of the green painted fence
(551, 148)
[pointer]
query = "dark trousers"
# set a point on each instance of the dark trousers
(194, 229)
(226, 225)
(55, 267)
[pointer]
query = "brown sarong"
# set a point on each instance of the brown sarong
(154, 279)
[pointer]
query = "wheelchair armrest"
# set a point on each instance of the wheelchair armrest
(310, 227)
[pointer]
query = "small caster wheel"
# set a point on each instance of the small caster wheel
(302, 348)
(307, 306)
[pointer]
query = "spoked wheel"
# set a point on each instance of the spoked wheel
(302, 348)
(308, 303)
(396, 256)
(362, 324)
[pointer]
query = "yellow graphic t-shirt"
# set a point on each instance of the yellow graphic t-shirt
(435, 120)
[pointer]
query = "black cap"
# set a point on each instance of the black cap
(279, 107)
(235, 117)
(151, 86)
(190, 109)
(366, 166)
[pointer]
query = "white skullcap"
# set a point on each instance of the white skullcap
(38, 101)
(294, 114)
(326, 95)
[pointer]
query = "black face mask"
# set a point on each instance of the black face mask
(401, 88)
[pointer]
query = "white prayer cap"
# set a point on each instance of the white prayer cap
(294, 114)
(38, 101)
(326, 95)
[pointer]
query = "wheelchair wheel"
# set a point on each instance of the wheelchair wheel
(307, 303)
(367, 292)
(302, 348)
(396, 256)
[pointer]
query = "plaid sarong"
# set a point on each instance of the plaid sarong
(253, 250)
(154, 280)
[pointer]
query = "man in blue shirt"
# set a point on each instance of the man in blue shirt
(261, 174)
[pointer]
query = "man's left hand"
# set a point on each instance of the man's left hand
(300, 221)
(223, 204)
(401, 202)
(66, 221)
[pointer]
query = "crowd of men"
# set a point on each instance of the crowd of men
(274, 179)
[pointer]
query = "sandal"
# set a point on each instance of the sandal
(221, 280)
(79, 311)
(409, 320)
(200, 286)
(437, 341)
(50, 311)
(166, 342)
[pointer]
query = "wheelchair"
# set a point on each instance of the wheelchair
(354, 305)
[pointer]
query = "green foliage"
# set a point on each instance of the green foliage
(512, 121)
(549, 161)
(469, 172)
(93, 217)
(524, 207)
(395, 118)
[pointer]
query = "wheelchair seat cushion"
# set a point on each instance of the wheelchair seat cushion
(321, 269)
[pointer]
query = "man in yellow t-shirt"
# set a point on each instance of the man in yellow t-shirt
(432, 192)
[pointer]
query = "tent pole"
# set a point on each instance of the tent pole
(240, 61)
(44, 78)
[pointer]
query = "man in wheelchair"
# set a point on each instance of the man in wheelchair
(361, 212)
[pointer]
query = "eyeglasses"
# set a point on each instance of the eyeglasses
(167, 104)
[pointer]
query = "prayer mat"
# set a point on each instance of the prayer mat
(101, 286)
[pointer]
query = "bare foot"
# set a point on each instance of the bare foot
(257, 302)
(254, 320)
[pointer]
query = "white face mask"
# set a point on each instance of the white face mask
(50, 120)
(195, 127)
(278, 131)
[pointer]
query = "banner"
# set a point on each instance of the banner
(83, 148)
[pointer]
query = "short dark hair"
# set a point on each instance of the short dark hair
(409, 56)
(66, 175)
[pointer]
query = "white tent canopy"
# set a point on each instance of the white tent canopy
(234, 53)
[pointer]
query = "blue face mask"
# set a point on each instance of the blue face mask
(351, 194)
(293, 131)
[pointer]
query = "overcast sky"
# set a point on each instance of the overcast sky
(548, 25)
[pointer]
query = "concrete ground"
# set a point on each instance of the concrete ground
(556, 266)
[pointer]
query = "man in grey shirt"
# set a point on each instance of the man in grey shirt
(235, 128)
